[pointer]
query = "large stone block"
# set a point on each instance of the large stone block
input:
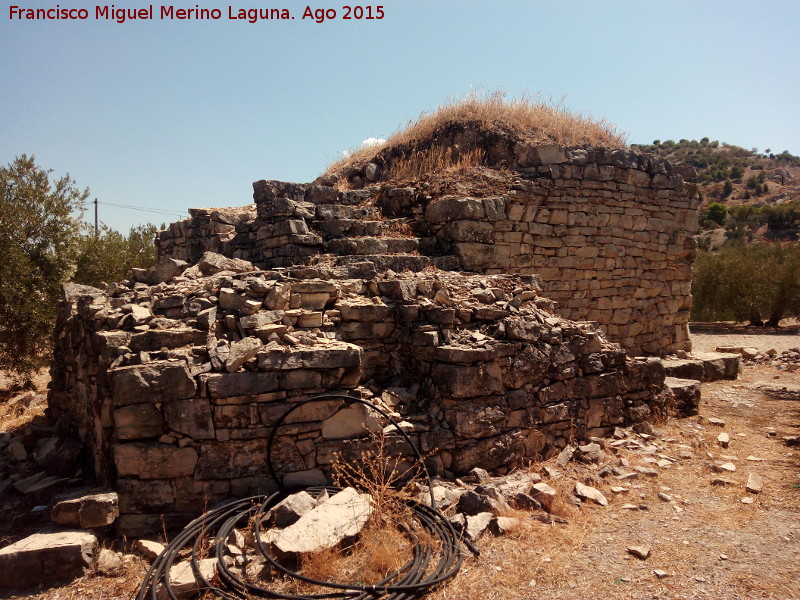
(154, 461)
(86, 508)
(466, 382)
(245, 458)
(330, 355)
(158, 381)
(351, 422)
(137, 421)
(156, 339)
(472, 420)
(145, 496)
(223, 385)
(47, 559)
(452, 209)
(489, 453)
(479, 232)
(191, 417)
(340, 517)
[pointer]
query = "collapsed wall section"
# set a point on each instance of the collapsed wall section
(175, 387)
(610, 232)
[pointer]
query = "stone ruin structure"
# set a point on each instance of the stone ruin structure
(439, 309)
(610, 233)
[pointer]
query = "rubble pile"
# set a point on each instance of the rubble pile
(174, 387)
(788, 360)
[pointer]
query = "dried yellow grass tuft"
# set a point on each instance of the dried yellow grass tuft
(529, 119)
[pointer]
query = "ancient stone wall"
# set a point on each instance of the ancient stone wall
(174, 386)
(610, 232)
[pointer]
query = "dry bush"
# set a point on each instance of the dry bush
(386, 542)
(435, 160)
(531, 119)
(381, 549)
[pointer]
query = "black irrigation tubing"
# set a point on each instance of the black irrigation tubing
(408, 582)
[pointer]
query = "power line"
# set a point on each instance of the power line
(144, 209)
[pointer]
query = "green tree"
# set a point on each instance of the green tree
(746, 282)
(110, 256)
(39, 233)
(716, 213)
(727, 188)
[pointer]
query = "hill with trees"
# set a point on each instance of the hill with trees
(748, 264)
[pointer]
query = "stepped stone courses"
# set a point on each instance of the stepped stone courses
(174, 380)
(610, 232)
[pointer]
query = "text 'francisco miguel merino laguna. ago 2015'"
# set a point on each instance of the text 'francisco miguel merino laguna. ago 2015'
(170, 12)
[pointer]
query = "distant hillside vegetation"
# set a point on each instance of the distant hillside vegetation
(746, 194)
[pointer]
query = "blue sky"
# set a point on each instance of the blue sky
(173, 115)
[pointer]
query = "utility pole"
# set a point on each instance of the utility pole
(95, 217)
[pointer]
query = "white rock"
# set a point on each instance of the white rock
(502, 525)
(340, 517)
(183, 581)
(754, 483)
(544, 494)
(478, 524)
(290, 509)
(108, 562)
(589, 493)
(148, 549)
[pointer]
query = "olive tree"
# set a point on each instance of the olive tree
(40, 221)
(109, 256)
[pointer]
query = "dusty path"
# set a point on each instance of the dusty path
(761, 338)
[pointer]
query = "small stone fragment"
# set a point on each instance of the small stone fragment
(722, 481)
(502, 525)
(716, 421)
(755, 484)
(478, 524)
(660, 574)
(645, 470)
(640, 552)
(108, 562)
(289, 510)
(148, 549)
(544, 494)
(183, 581)
(589, 493)
(724, 439)
(724, 468)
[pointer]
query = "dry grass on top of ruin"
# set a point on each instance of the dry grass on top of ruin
(465, 124)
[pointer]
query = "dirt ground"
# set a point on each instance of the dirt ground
(709, 337)
(704, 541)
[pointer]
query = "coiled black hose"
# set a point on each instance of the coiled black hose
(412, 580)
